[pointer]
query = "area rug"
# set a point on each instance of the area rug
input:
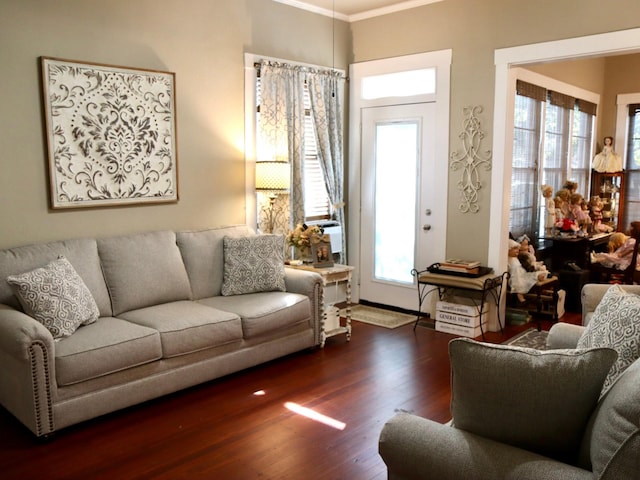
(379, 316)
(530, 338)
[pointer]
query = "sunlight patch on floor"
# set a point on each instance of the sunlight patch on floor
(313, 415)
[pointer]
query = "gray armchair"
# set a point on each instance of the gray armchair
(490, 441)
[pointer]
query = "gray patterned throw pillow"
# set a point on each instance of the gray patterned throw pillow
(253, 264)
(55, 296)
(615, 324)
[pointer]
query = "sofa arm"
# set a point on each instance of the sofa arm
(310, 284)
(417, 448)
(564, 335)
(27, 376)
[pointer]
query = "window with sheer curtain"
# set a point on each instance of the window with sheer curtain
(316, 198)
(552, 141)
(632, 165)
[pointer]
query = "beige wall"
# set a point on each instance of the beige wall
(474, 29)
(203, 42)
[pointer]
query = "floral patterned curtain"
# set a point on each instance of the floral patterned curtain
(326, 91)
(281, 128)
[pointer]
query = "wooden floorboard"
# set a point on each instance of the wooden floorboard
(223, 430)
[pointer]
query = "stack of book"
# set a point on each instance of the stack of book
(460, 266)
(461, 316)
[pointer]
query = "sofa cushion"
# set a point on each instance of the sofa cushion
(203, 255)
(612, 441)
(265, 312)
(106, 346)
(142, 270)
(187, 327)
(81, 253)
(56, 296)
(253, 264)
(536, 400)
(615, 324)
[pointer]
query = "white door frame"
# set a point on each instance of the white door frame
(625, 41)
(357, 71)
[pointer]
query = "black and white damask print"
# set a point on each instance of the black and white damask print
(111, 134)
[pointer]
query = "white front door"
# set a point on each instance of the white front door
(398, 201)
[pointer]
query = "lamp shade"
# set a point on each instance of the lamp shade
(273, 176)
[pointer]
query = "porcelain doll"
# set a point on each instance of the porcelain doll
(549, 209)
(559, 213)
(527, 256)
(520, 281)
(565, 196)
(607, 160)
(576, 212)
(596, 216)
(620, 252)
(570, 186)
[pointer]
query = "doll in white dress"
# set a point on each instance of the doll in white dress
(607, 160)
(549, 208)
(521, 281)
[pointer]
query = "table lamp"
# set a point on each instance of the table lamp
(273, 178)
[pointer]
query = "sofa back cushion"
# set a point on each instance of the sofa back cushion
(81, 253)
(203, 254)
(143, 270)
(611, 445)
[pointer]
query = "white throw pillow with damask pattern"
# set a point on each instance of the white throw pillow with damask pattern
(55, 296)
(253, 264)
(615, 324)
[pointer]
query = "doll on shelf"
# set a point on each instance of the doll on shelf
(559, 215)
(596, 216)
(570, 186)
(521, 281)
(549, 208)
(607, 160)
(565, 196)
(577, 213)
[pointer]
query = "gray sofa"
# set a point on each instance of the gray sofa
(608, 432)
(163, 324)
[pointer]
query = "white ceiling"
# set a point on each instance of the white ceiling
(352, 10)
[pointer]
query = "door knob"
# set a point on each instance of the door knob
(426, 227)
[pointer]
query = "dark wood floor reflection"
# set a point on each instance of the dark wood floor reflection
(225, 430)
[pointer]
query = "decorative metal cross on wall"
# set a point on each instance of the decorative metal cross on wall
(470, 159)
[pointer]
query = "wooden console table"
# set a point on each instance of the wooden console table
(337, 273)
(488, 286)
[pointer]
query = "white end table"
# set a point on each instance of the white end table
(337, 273)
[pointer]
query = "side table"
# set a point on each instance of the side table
(337, 273)
(489, 285)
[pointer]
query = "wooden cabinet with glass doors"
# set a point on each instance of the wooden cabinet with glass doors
(610, 188)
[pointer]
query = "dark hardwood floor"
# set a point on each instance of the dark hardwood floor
(224, 430)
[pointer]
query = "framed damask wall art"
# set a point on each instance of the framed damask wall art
(111, 134)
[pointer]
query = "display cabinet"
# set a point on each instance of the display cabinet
(610, 188)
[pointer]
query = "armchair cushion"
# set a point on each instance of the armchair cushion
(615, 324)
(536, 400)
